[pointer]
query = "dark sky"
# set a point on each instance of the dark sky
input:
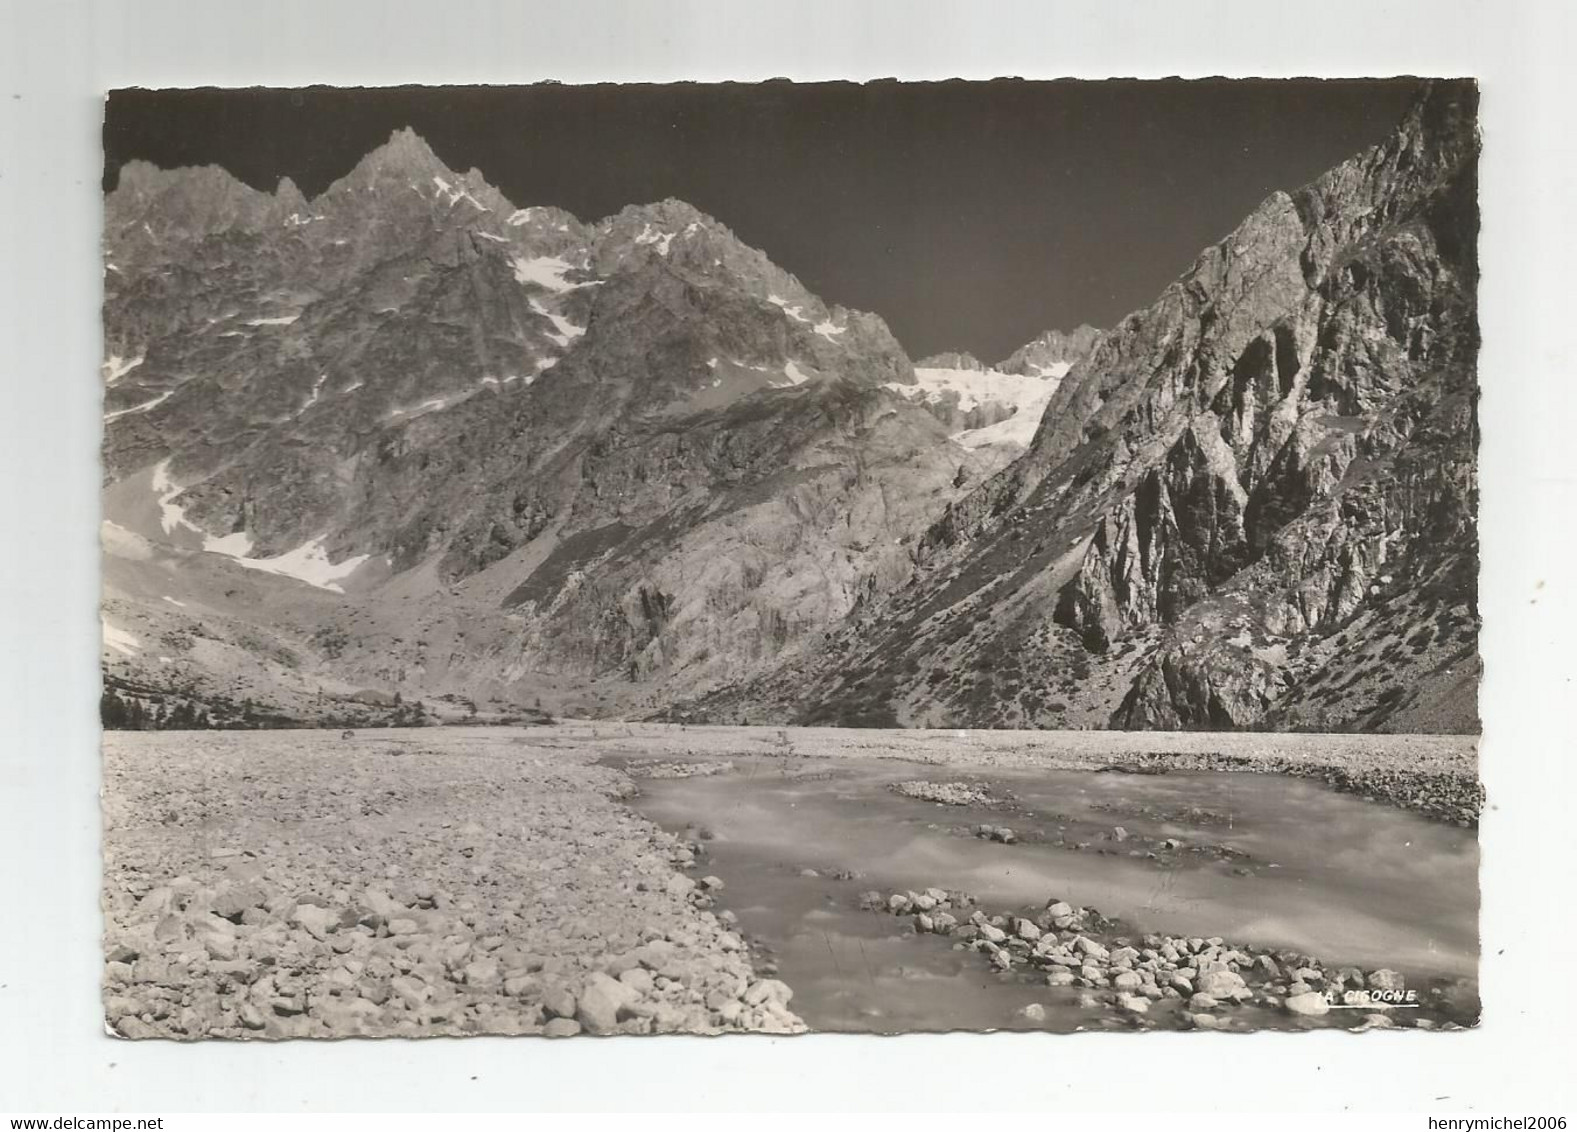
(970, 216)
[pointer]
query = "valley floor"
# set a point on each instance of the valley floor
(470, 881)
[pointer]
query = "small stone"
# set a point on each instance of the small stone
(600, 1003)
(412, 991)
(561, 1028)
(519, 986)
(1034, 1012)
(559, 1002)
(768, 990)
(1090, 948)
(1386, 980)
(483, 974)
(1310, 1003)
(1133, 1003)
(1222, 984)
(638, 980)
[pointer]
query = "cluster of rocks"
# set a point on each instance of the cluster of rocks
(1194, 982)
(945, 793)
(672, 769)
(1454, 798)
(1449, 795)
(249, 894)
(988, 832)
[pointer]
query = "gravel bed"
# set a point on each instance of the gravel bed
(297, 884)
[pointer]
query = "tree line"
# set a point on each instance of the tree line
(128, 713)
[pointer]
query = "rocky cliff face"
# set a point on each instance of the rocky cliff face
(514, 444)
(1251, 505)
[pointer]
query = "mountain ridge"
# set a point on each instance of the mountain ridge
(636, 467)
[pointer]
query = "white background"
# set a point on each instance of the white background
(57, 59)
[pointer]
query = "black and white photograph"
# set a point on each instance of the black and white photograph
(587, 560)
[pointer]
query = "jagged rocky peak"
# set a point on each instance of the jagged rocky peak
(405, 169)
(405, 157)
(952, 360)
(1052, 354)
(150, 202)
(726, 318)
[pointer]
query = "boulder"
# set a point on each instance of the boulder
(1386, 980)
(1311, 1004)
(601, 1002)
(1221, 984)
(768, 990)
(559, 1002)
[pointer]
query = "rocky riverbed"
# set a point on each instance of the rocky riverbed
(1165, 981)
(297, 884)
(469, 881)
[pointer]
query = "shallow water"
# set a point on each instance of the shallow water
(1264, 859)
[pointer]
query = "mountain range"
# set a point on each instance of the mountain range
(405, 439)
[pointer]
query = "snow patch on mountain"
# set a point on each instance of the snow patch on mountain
(1016, 432)
(795, 375)
(317, 389)
(828, 330)
(277, 320)
(793, 312)
(544, 271)
(972, 387)
(142, 408)
(654, 236)
(431, 405)
(120, 640)
(116, 367)
(237, 544)
(308, 563)
(455, 194)
(567, 330)
(172, 516)
(1056, 371)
